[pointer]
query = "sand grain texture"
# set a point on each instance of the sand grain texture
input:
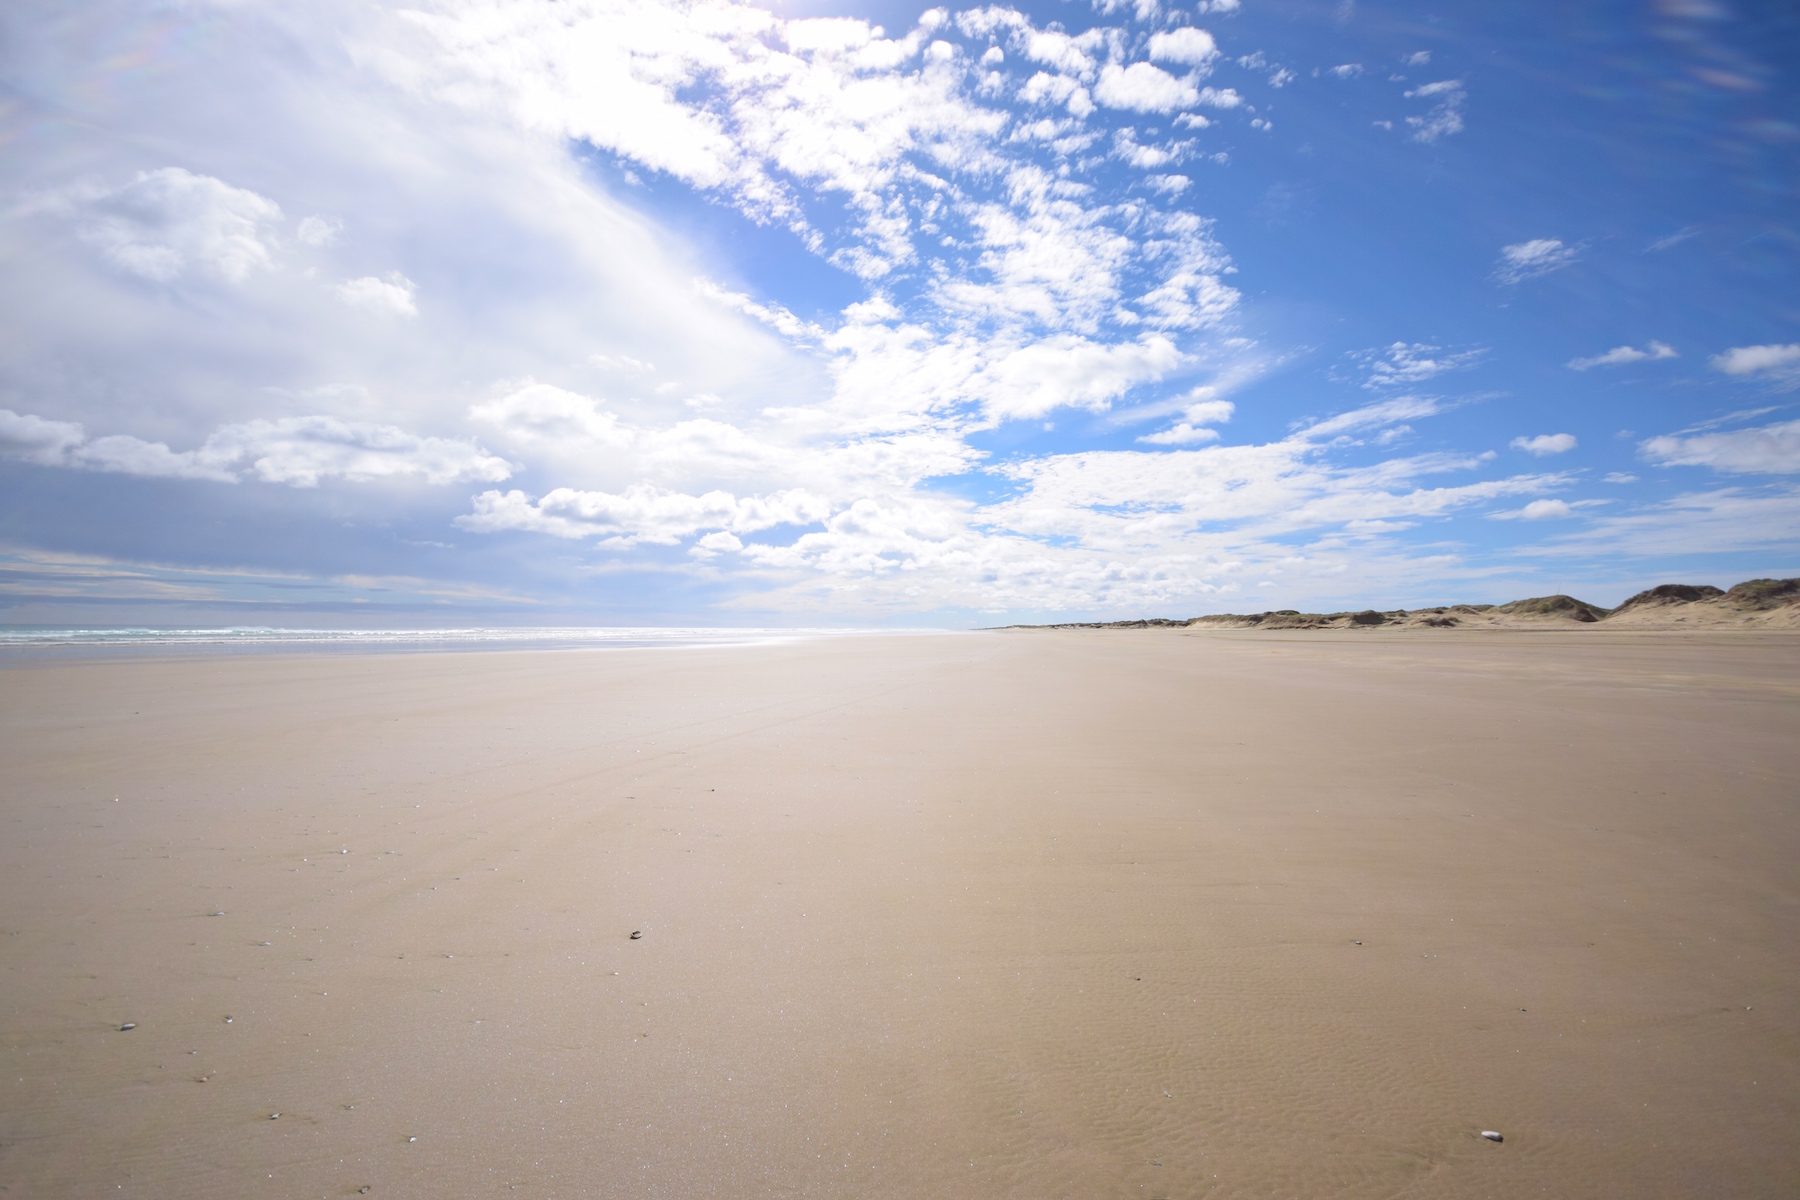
(1012, 914)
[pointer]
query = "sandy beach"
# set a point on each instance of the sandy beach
(1025, 914)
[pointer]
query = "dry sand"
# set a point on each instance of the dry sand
(1001, 915)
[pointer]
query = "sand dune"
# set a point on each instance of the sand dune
(1753, 604)
(1189, 913)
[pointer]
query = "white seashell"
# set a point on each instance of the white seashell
(1492, 1135)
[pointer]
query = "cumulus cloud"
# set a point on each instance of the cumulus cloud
(393, 295)
(1545, 444)
(1768, 449)
(34, 439)
(298, 451)
(1528, 260)
(1619, 355)
(1071, 371)
(642, 513)
(170, 222)
(549, 416)
(1777, 361)
(966, 169)
(1346, 70)
(1187, 45)
(1142, 87)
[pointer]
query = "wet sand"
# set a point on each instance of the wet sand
(1013, 914)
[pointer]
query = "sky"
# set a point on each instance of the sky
(511, 312)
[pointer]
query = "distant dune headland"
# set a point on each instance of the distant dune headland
(1753, 604)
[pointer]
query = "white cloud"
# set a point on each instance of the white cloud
(545, 416)
(1417, 59)
(393, 295)
(319, 231)
(1142, 87)
(1619, 477)
(1545, 444)
(1759, 360)
(642, 513)
(298, 451)
(1145, 158)
(1673, 240)
(1193, 47)
(1528, 260)
(1537, 510)
(1713, 522)
(167, 221)
(1371, 416)
(1011, 270)
(714, 544)
(1071, 55)
(1346, 70)
(1071, 371)
(1193, 427)
(1620, 355)
(1402, 364)
(1445, 117)
(1768, 449)
(34, 439)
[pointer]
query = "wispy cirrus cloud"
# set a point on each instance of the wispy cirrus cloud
(1620, 355)
(1766, 449)
(1403, 364)
(1529, 260)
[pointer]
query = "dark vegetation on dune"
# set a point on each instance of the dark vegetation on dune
(1746, 599)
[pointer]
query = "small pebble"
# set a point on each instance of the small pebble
(274, 1116)
(636, 934)
(228, 1020)
(215, 914)
(1492, 1135)
(412, 1139)
(1359, 943)
(128, 1027)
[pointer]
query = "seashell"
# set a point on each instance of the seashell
(636, 934)
(1492, 1135)
(128, 1026)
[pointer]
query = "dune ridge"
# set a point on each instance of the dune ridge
(1752, 604)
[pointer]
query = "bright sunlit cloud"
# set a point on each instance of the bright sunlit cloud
(619, 308)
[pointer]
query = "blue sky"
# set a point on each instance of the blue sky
(614, 311)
